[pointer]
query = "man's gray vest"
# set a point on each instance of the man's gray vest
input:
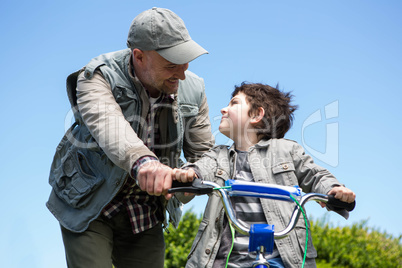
(83, 179)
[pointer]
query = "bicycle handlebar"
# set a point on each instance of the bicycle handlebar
(261, 190)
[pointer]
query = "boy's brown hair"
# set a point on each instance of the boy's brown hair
(278, 115)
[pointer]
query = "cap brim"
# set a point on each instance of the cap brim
(182, 53)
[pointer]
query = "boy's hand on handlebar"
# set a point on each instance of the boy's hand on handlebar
(183, 175)
(342, 193)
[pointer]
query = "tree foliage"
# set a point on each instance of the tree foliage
(352, 246)
(355, 246)
(178, 241)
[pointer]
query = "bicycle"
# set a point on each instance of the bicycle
(261, 236)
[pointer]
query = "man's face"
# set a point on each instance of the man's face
(159, 75)
(235, 118)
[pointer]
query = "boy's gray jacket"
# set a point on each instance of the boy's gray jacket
(276, 161)
(94, 159)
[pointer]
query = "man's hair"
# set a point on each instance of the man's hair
(278, 115)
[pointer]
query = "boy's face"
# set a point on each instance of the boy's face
(235, 119)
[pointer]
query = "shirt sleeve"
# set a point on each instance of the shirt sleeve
(139, 163)
(107, 124)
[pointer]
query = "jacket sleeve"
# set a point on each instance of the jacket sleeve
(198, 138)
(104, 118)
(311, 177)
(205, 167)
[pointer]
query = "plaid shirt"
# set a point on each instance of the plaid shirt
(144, 210)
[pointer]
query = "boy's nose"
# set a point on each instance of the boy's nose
(224, 110)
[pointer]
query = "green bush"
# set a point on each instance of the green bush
(323, 264)
(353, 246)
(178, 241)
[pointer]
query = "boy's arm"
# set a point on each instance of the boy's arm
(314, 178)
(204, 169)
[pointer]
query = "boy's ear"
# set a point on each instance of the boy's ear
(258, 116)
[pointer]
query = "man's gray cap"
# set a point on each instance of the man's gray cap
(162, 30)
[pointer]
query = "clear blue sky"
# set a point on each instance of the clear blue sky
(342, 60)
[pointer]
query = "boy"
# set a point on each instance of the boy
(256, 119)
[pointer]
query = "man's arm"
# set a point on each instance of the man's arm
(105, 120)
(107, 124)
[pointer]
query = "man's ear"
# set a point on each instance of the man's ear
(258, 116)
(138, 56)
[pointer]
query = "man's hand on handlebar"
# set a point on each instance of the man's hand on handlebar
(155, 178)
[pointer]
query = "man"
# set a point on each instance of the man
(136, 110)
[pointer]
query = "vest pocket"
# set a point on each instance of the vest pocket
(188, 110)
(129, 104)
(74, 179)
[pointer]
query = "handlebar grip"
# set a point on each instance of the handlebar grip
(176, 184)
(336, 204)
(195, 187)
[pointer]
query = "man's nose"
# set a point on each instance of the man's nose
(181, 71)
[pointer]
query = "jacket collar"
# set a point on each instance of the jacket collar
(261, 144)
